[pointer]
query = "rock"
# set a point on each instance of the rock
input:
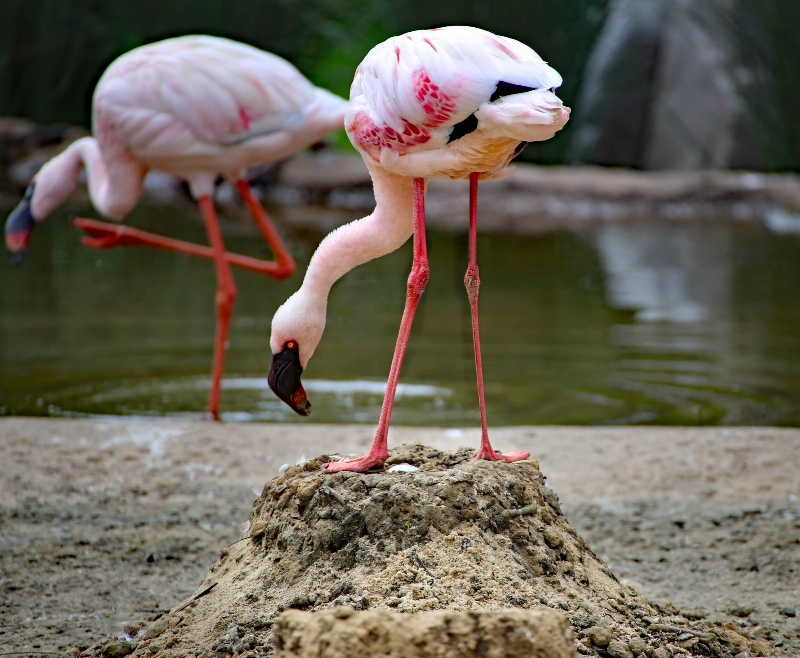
(155, 629)
(552, 539)
(653, 56)
(618, 649)
(600, 637)
(438, 634)
(117, 649)
(740, 611)
(637, 646)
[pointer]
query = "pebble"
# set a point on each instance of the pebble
(117, 649)
(600, 637)
(155, 629)
(343, 612)
(553, 538)
(637, 646)
(618, 649)
(661, 652)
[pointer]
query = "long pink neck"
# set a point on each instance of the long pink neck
(386, 229)
(114, 187)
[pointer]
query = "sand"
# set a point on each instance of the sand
(108, 524)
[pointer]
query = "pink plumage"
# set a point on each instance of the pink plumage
(410, 92)
(457, 102)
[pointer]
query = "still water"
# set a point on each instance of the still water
(632, 324)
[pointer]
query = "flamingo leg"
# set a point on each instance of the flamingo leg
(472, 282)
(417, 280)
(104, 235)
(285, 264)
(226, 296)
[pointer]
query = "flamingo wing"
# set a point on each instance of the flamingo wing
(183, 95)
(412, 91)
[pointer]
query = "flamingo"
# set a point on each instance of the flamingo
(195, 107)
(450, 103)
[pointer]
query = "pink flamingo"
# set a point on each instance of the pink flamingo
(457, 102)
(195, 107)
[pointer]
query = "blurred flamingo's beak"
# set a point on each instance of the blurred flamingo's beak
(284, 379)
(19, 225)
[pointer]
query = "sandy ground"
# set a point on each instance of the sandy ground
(104, 523)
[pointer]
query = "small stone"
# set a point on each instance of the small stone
(600, 637)
(155, 629)
(553, 538)
(117, 649)
(618, 649)
(258, 528)
(343, 612)
(788, 612)
(133, 628)
(637, 646)
(580, 619)
(661, 652)
(740, 611)
(247, 642)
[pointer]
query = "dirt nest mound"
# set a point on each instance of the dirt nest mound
(434, 532)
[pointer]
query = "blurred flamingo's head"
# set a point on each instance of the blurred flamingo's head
(19, 226)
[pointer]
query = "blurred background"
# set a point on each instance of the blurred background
(655, 83)
(667, 295)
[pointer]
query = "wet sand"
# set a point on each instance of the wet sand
(105, 523)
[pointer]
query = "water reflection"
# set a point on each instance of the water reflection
(665, 274)
(625, 324)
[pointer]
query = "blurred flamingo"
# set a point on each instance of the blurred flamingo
(457, 102)
(195, 107)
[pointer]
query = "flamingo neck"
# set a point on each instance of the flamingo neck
(113, 191)
(302, 317)
(379, 233)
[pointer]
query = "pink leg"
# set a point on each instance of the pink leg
(285, 264)
(226, 296)
(103, 235)
(417, 281)
(472, 282)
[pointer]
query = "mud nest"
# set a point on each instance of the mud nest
(453, 535)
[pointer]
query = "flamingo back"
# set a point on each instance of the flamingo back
(411, 90)
(182, 102)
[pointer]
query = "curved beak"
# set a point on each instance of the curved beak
(19, 225)
(284, 380)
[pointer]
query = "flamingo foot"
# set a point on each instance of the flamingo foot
(508, 457)
(359, 465)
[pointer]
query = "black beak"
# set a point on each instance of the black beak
(19, 225)
(284, 380)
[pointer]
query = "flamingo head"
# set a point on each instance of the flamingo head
(19, 225)
(297, 328)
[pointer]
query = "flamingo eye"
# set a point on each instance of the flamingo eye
(290, 345)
